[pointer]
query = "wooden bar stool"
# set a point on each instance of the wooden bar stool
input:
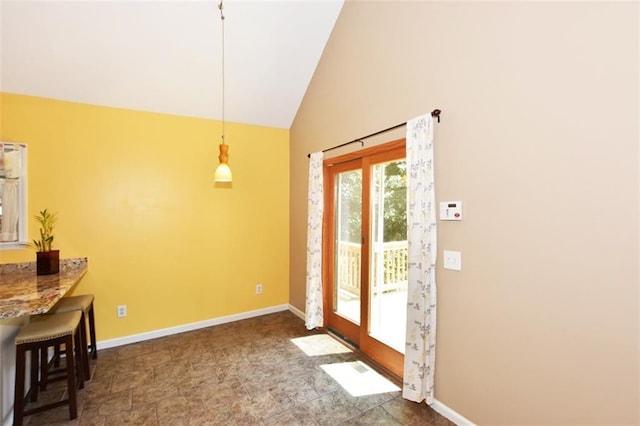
(84, 304)
(43, 332)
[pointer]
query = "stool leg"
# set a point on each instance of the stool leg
(33, 391)
(79, 356)
(71, 376)
(18, 404)
(92, 331)
(85, 352)
(56, 356)
(44, 369)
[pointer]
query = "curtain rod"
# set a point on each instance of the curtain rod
(435, 113)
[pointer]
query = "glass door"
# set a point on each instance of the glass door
(348, 244)
(344, 257)
(366, 256)
(388, 266)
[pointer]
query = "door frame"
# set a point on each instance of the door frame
(388, 357)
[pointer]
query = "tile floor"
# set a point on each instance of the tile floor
(248, 372)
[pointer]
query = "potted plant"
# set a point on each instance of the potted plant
(47, 260)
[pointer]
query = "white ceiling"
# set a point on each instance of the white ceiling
(165, 56)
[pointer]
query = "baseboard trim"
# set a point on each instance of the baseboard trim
(450, 414)
(297, 312)
(134, 338)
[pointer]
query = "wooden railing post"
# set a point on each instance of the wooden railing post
(394, 263)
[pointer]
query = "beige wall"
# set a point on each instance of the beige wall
(539, 139)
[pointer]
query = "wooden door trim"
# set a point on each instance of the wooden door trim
(359, 335)
(366, 152)
(376, 350)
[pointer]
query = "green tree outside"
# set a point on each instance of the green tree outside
(395, 204)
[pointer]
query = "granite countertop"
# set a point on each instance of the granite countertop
(22, 292)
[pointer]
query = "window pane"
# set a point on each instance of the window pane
(13, 228)
(389, 268)
(348, 239)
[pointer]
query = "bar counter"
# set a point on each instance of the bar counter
(24, 293)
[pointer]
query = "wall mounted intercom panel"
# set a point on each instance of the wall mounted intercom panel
(451, 210)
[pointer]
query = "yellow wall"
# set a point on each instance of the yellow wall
(135, 194)
(539, 139)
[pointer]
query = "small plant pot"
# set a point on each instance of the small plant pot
(47, 262)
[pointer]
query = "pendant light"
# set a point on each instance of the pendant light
(223, 172)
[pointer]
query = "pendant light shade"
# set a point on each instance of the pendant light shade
(223, 171)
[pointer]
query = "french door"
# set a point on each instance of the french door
(365, 266)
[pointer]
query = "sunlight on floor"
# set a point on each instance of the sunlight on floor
(320, 344)
(359, 379)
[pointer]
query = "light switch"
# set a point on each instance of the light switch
(452, 260)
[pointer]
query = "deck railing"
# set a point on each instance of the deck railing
(392, 275)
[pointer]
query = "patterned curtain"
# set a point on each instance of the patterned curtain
(420, 354)
(314, 313)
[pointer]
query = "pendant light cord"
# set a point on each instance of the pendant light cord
(220, 6)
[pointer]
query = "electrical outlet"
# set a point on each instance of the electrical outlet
(121, 311)
(259, 289)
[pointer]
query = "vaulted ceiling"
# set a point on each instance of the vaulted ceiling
(166, 56)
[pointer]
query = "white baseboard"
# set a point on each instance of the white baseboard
(450, 414)
(111, 343)
(297, 312)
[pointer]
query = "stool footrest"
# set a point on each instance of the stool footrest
(48, 407)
